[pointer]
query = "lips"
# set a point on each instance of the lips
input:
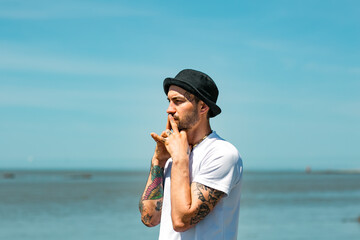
(175, 117)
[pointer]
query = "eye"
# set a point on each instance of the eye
(178, 101)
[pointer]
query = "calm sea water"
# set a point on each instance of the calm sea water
(104, 205)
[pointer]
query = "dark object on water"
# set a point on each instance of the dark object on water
(350, 171)
(352, 219)
(81, 176)
(9, 175)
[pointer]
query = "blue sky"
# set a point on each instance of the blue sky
(81, 81)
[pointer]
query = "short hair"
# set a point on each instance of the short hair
(191, 97)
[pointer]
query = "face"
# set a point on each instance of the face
(182, 107)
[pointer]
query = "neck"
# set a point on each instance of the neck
(196, 135)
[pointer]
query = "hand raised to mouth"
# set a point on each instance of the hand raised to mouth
(174, 142)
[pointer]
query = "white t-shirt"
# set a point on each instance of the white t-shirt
(215, 163)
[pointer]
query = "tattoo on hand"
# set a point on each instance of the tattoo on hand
(207, 203)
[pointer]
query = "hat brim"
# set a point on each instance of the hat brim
(214, 109)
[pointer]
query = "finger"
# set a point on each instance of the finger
(164, 134)
(168, 132)
(183, 133)
(173, 124)
(157, 138)
(168, 125)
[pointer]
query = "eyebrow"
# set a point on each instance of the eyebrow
(177, 97)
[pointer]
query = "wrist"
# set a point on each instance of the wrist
(181, 159)
(158, 162)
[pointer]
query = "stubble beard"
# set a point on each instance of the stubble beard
(188, 121)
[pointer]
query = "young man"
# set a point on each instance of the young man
(194, 183)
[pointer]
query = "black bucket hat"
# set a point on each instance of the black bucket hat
(199, 84)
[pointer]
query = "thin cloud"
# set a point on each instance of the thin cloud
(54, 98)
(285, 46)
(40, 10)
(331, 68)
(38, 62)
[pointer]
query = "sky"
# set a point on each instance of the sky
(81, 81)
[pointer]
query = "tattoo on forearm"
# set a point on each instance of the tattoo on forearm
(141, 205)
(147, 218)
(201, 214)
(155, 189)
(207, 203)
(158, 206)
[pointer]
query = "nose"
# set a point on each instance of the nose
(171, 109)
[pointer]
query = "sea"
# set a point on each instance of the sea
(103, 205)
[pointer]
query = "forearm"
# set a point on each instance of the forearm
(181, 199)
(190, 203)
(150, 204)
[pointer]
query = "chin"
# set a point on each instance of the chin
(183, 128)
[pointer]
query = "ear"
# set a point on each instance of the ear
(204, 108)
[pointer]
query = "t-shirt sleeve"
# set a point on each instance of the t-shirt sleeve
(220, 169)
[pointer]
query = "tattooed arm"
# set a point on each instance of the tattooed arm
(150, 204)
(205, 199)
(186, 213)
(189, 203)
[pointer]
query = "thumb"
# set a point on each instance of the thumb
(183, 135)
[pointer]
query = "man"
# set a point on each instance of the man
(195, 177)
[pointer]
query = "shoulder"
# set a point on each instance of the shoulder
(218, 156)
(220, 166)
(218, 147)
